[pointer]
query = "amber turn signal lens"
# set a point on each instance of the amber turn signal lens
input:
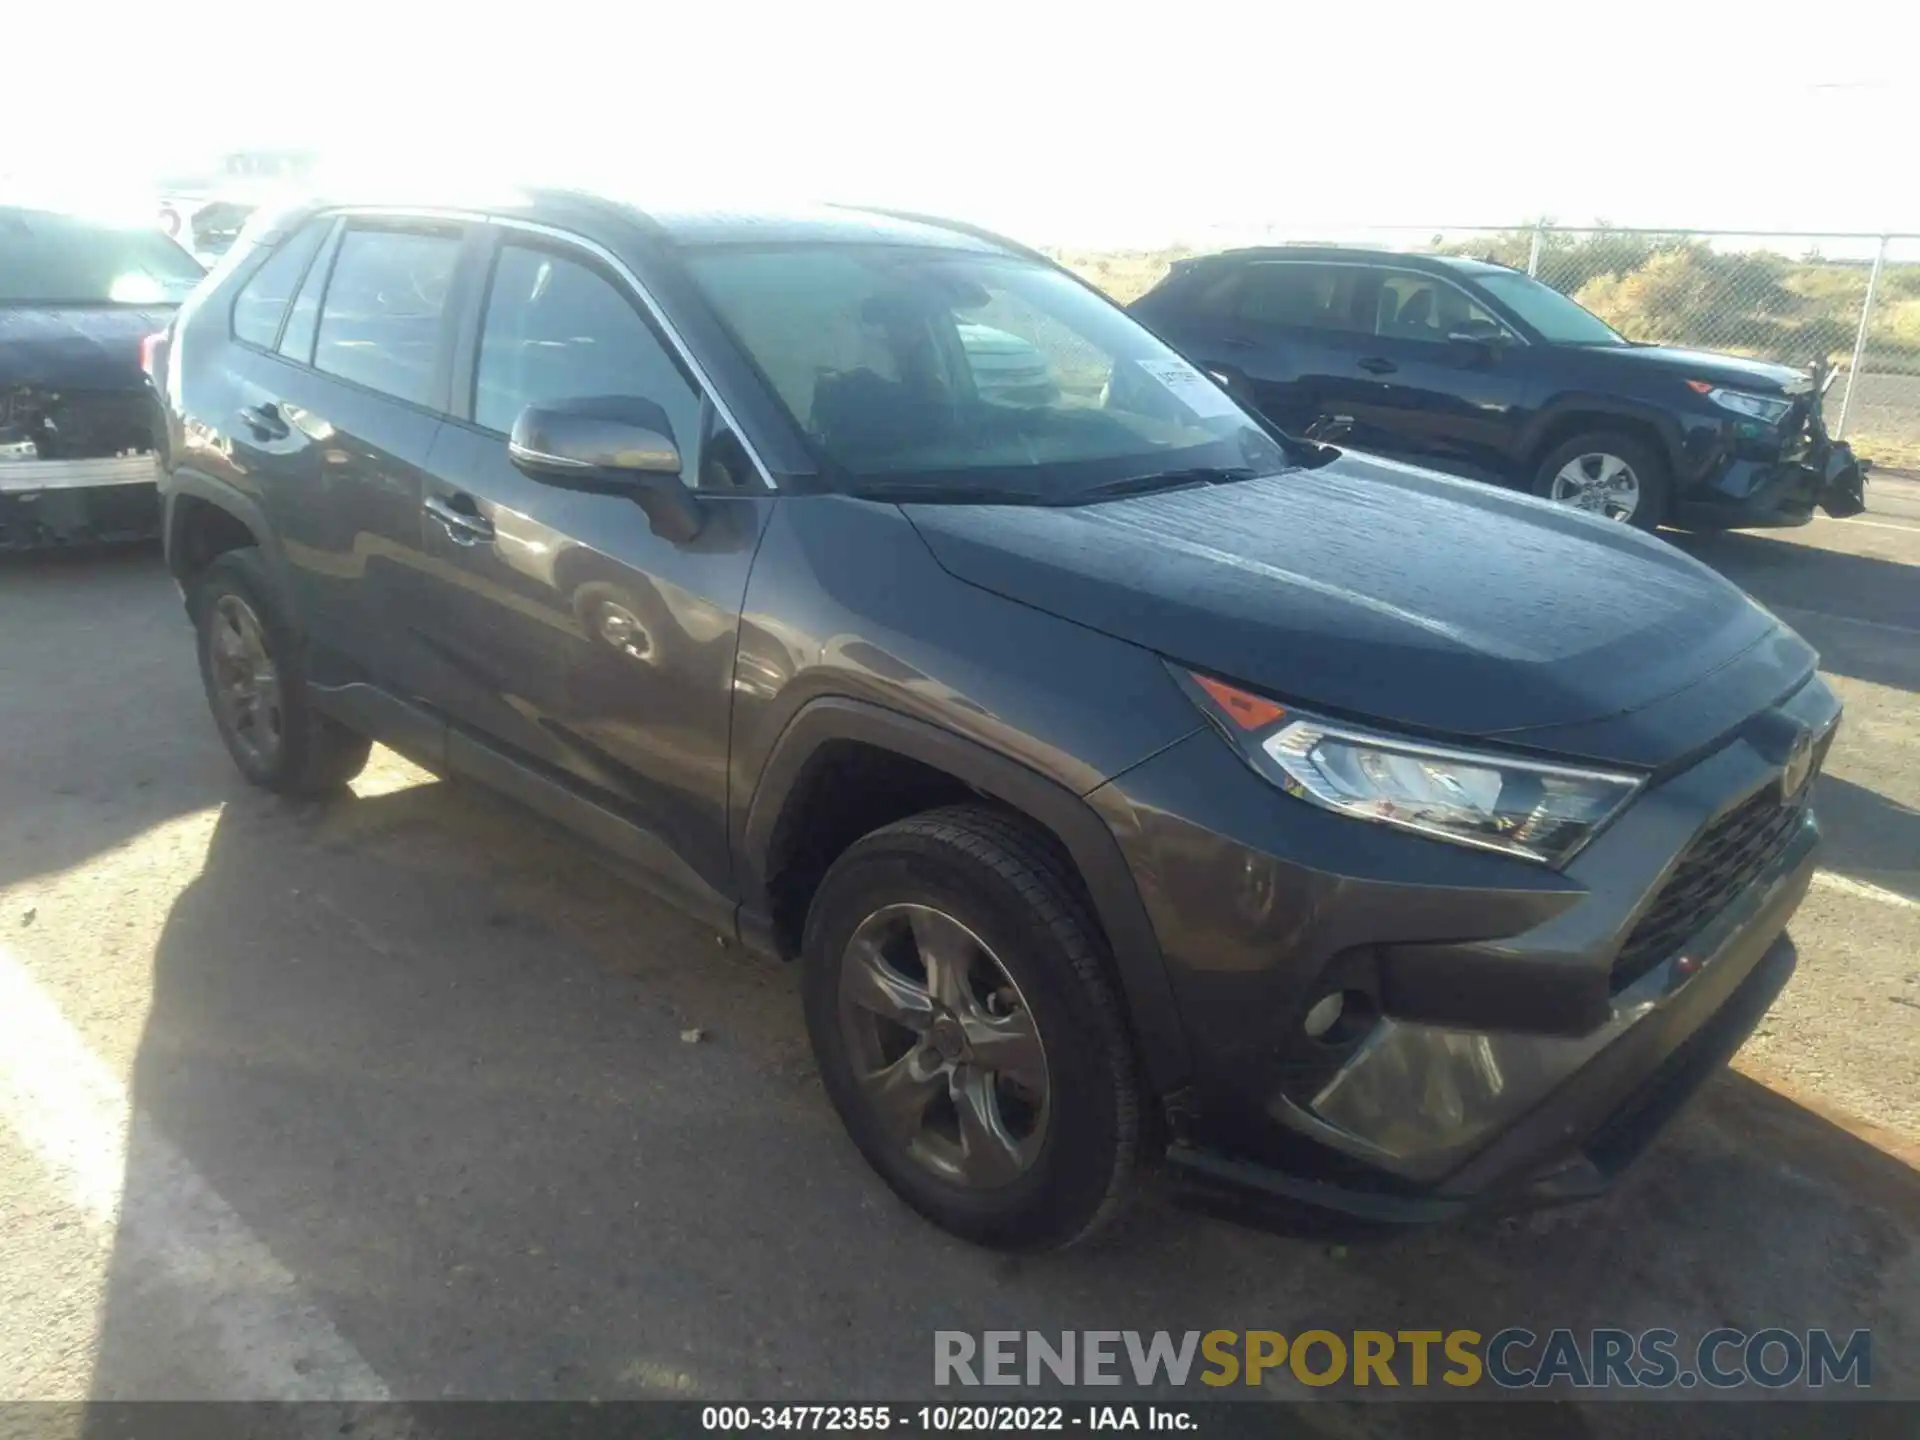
(1249, 712)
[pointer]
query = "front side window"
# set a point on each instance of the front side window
(49, 258)
(557, 329)
(1559, 320)
(262, 301)
(380, 322)
(1412, 306)
(956, 375)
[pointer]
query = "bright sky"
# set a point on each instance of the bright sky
(1073, 123)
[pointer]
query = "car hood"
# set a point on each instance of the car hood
(80, 347)
(1379, 591)
(1736, 370)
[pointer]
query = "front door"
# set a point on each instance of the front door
(566, 631)
(1440, 380)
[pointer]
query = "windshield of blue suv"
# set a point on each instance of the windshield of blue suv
(956, 375)
(48, 258)
(1558, 320)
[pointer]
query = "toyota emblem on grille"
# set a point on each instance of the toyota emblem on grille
(1793, 778)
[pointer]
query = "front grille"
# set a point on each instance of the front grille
(1727, 857)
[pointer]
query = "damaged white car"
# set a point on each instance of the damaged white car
(82, 301)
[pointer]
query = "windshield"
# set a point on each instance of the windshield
(953, 375)
(1559, 320)
(53, 259)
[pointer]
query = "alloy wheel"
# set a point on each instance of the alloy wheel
(945, 1053)
(1600, 484)
(246, 682)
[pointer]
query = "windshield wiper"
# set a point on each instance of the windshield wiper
(1163, 480)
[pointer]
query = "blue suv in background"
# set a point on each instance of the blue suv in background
(1482, 370)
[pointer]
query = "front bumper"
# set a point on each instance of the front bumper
(1738, 491)
(1525, 1032)
(1672, 1035)
(47, 503)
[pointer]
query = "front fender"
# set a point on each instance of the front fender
(1084, 835)
(1555, 413)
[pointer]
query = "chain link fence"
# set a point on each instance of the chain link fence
(1851, 302)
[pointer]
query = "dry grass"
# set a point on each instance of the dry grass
(1888, 452)
(1125, 275)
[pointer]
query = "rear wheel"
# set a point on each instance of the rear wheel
(255, 677)
(966, 1030)
(1606, 473)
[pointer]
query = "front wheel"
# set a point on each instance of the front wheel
(966, 1030)
(1606, 473)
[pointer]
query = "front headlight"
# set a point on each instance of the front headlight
(1534, 809)
(1767, 408)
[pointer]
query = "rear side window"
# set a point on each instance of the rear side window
(1309, 296)
(380, 322)
(559, 330)
(296, 336)
(1216, 293)
(262, 301)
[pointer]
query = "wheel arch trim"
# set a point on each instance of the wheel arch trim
(1567, 415)
(195, 485)
(1139, 967)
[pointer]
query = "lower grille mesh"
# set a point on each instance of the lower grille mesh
(1726, 857)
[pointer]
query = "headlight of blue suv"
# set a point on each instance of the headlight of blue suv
(1530, 808)
(1766, 408)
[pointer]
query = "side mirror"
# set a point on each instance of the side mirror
(609, 445)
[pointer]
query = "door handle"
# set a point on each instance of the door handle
(1374, 365)
(265, 421)
(463, 527)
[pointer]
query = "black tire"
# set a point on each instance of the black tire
(315, 754)
(1014, 891)
(1649, 468)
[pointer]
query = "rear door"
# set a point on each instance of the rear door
(570, 633)
(337, 421)
(1287, 333)
(1423, 392)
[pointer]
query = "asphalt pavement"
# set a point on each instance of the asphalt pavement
(402, 1095)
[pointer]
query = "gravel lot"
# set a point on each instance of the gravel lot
(412, 1111)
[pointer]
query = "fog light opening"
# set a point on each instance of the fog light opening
(1339, 1017)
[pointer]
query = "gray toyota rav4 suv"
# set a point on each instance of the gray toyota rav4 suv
(1137, 786)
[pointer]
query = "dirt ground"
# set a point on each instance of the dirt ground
(395, 1095)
